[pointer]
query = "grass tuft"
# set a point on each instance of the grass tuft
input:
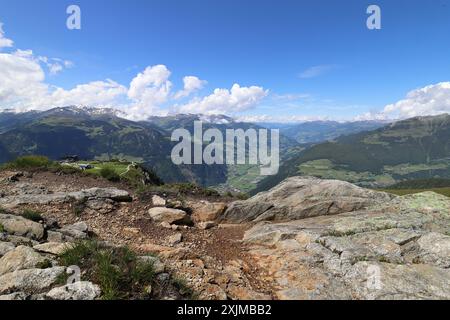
(32, 215)
(116, 270)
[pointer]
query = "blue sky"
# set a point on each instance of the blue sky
(310, 59)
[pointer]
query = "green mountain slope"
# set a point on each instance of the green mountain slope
(416, 148)
(320, 131)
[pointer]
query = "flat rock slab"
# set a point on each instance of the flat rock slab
(30, 280)
(58, 197)
(55, 248)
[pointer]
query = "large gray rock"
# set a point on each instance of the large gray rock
(20, 226)
(20, 258)
(76, 291)
(30, 280)
(171, 216)
(398, 249)
(298, 198)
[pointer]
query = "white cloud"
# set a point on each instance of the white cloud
(4, 42)
(96, 93)
(430, 100)
(23, 87)
(191, 85)
(316, 71)
(224, 101)
(21, 80)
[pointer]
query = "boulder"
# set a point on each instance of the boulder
(5, 247)
(76, 291)
(171, 216)
(20, 226)
(30, 280)
(298, 198)
(203, 211)
(20, 258)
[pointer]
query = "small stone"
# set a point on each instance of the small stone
(206, 225)
(158, 201)
(158, 266)
(166, 225)
(175, 239)
(55, 236)
(79, 226)
(163, 277)
(148, 289)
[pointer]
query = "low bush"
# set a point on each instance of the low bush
(110, 174)
(29, 162)
(32, 215)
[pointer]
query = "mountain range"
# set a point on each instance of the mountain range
(367, 153)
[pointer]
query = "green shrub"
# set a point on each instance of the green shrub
(110, 174)
(32, 215)
(2, 228)
(242, 196)
(29, 162)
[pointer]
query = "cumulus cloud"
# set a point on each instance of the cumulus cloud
(103, 93)
(191, 85)
(224, 101)
(4, 42)
(430, 100)
(23, 87)
(21, 80)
